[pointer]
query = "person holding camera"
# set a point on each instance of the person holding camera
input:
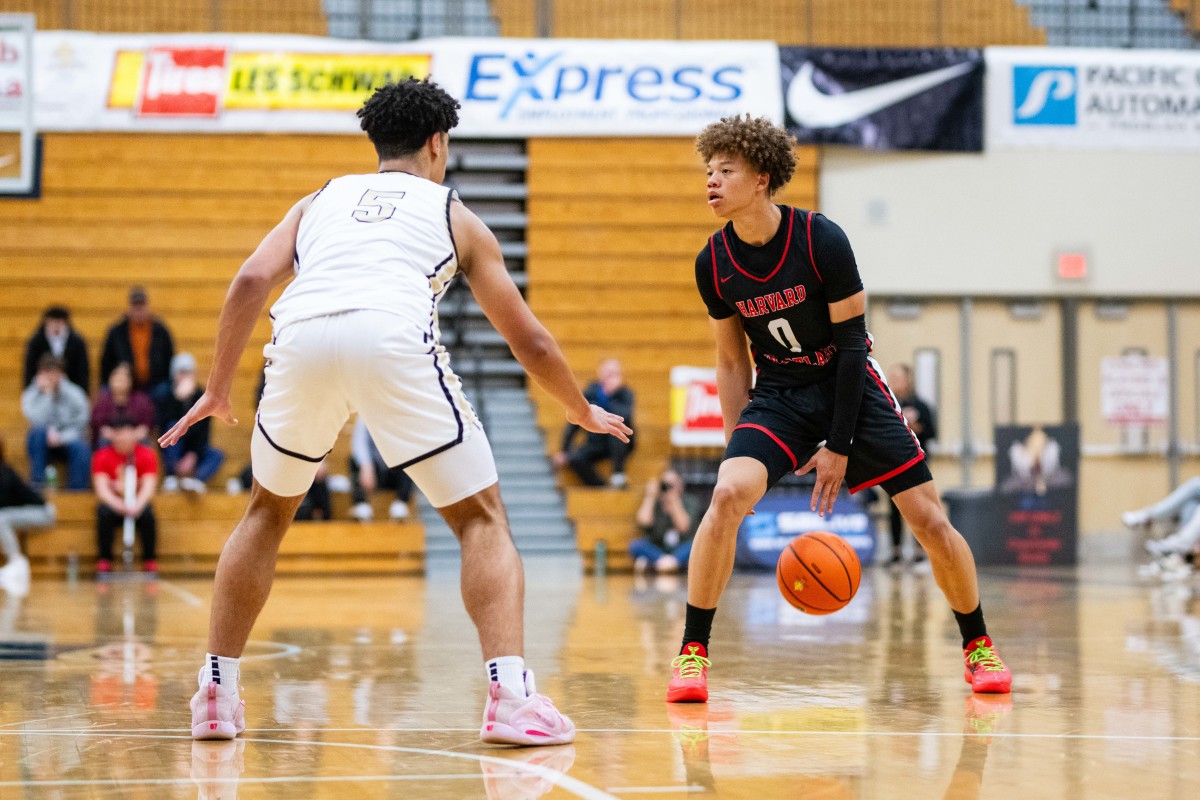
(667, 519)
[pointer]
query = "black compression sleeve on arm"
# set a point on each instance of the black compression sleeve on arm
(850, 337)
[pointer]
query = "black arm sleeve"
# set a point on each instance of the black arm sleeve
(834, 260)
(851, 339)
(706, 283)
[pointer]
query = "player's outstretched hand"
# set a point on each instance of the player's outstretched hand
(831, 469)
(207, 406)
(600, 421)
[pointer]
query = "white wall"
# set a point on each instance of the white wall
(937, 224)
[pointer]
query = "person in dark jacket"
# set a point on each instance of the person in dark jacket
(610, 393)
(21, 508)
(923, 423)
(141, 340)
(55, 335)
(192, 461)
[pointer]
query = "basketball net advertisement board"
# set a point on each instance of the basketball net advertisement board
(17, 137)
(696, 419)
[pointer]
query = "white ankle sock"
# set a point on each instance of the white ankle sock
(509, 672)
(220, 670)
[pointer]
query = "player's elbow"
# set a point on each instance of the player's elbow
(534, 348)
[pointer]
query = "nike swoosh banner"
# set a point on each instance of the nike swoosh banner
(884, 99)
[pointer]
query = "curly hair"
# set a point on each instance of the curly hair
(400, 117)
(766, 146)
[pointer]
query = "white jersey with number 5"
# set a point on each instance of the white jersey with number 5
(379, 242)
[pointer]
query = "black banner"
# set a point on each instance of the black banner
(1037, 492)
(885, 99)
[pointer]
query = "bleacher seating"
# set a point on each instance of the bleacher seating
(613, 236)
(823, 23)
(177, 16)
(193, 529)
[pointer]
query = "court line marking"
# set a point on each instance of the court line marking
(580, 789)
(193, 600)
(649, 789)
(284, 779)
(141, 733)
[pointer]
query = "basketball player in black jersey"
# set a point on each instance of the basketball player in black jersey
(813, 399)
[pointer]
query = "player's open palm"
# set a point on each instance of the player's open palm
(208, 405)
(600, 421)
(831, 471)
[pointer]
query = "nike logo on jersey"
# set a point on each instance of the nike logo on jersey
(727, 278)
(812, 108)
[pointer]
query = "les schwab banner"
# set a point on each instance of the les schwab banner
(204, 83)
(507, 87)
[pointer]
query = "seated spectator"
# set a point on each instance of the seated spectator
(140, 340)
(57, 412)
(55, 335)
(192, 461)
(20, 508)
(1181, 506)
(125, 476)
(667, 518)
(119, 398)
(368, 472)
(610, 393)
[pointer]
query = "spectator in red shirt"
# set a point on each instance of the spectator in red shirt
(109, 475)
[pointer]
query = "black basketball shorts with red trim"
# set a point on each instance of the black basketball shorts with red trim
(783, 427)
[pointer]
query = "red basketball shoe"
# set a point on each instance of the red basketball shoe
(689, 681)
(985, 671)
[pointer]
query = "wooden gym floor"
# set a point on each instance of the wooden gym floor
(372, 688)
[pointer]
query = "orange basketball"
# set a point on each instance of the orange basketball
(818, 572)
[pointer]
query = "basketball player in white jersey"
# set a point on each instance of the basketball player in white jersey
(357, 331)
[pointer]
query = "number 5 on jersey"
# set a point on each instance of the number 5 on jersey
(782, 332)
(376, 206)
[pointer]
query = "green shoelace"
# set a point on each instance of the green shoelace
(690, 666)
(985, 658)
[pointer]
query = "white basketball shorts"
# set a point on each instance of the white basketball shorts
(386, 368)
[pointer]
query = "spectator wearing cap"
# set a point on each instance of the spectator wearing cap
(125, 477)
(57, 412)
(55, 335)
(141, 340)
(192, 461)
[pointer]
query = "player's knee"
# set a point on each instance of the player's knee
(732, 500)
(935, 532)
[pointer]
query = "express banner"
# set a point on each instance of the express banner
(588, 87)
(507, 87)
(884, 99)
(1077, 98)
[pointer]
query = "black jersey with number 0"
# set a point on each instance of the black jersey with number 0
(782, 291)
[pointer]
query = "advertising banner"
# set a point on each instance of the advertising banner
(779, 518)
(884, 99)
(1134, 389)
(696, 419)
(507, 87)
(17, 137)
(1082, 98)
(1037, 491)
(225, 83)
(585, 87)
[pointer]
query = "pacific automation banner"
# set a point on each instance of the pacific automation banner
(507, 87)
(921, 99)
(1076, 98)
